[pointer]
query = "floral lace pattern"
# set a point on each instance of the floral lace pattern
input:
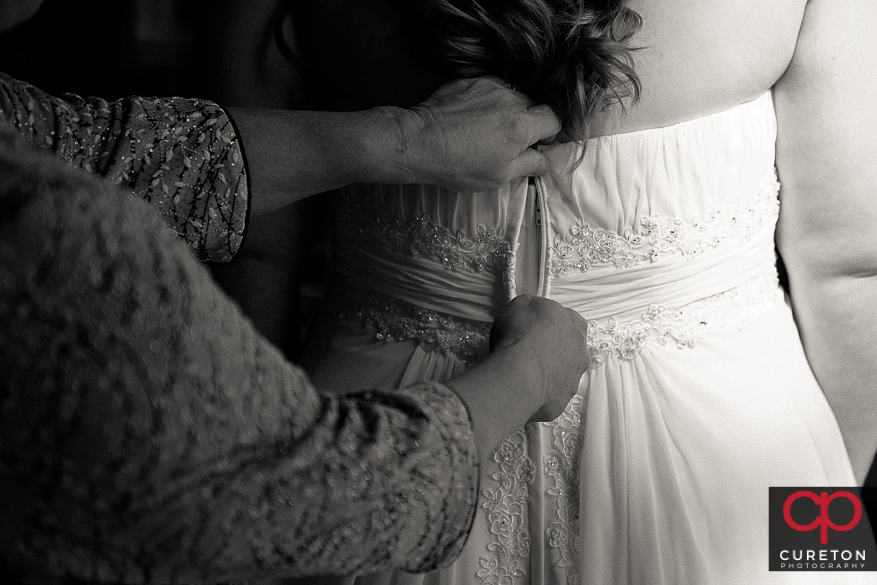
(420, 236)
(400, 321)
(397, 320)
(562, 466)
(683, 326)
(585, 246)
(506, 504)
(506, 507)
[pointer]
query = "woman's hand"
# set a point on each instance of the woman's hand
(469, 135)
(474, 134)
(545, 338)
(537, 358)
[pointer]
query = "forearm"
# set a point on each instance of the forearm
(294, 154)
(501, 396)
(469, 135)
(838, 326)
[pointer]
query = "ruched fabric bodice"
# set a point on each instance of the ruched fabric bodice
(657, 218)
(699, 396)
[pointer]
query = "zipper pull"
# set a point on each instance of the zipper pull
(531, 182)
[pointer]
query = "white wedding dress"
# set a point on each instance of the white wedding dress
(699, 397)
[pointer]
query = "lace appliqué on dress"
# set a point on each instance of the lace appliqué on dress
(505, 507)
(397, 320)
(506, 504)
(683, 326)
(420, 236)
(562, 466)
(585, 246)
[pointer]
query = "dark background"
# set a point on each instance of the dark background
(109, 48)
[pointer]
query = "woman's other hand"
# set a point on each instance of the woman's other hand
(538, 355)
(546, 338)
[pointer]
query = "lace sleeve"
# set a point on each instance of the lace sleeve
(149, 434)
(180, 155)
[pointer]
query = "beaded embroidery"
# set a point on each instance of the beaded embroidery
(683, 326)
(420, 236)
(586, 246)
(400, 321)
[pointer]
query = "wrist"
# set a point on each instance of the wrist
(386, 146)
(502, 394)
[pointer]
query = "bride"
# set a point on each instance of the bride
(708, 385)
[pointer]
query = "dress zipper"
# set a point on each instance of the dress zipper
(542, 223)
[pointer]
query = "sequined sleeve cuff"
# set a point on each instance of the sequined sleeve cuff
(181, 155)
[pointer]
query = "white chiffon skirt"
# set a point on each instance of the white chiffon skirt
(657, 473)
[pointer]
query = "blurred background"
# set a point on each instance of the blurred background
(114, 48)
(110, 48)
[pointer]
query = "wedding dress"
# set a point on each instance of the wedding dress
(699, 396)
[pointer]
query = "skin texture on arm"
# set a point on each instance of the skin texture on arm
(242, 68)
(826, 106)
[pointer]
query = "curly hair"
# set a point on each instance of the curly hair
(570, 54)
(573, 55)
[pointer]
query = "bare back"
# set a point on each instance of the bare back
(696, 57)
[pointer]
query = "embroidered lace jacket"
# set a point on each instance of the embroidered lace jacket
(180, 155)
(148, 434)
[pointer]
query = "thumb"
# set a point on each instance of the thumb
(530, 163)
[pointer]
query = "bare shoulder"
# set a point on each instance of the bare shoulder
(837, 39)
(702, 56)
(825, 101)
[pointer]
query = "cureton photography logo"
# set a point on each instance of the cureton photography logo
(822, 529)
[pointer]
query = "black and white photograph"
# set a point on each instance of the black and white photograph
(438, 292)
